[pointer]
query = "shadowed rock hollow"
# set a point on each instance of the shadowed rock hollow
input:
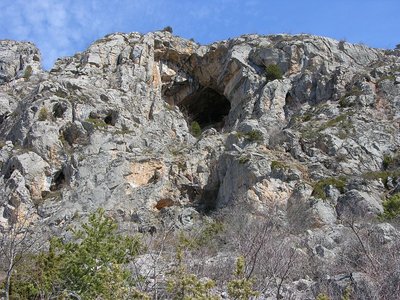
(206, 107)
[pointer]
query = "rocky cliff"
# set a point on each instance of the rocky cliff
(114, 127)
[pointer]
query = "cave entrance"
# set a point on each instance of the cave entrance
(58, 181)
(207, 107)
(111, 118)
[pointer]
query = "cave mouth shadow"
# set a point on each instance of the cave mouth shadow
(206, 107)
(58, 181)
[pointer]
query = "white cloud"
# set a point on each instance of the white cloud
(55, 26)
(62, 27)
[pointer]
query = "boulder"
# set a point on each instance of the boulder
(358, 205)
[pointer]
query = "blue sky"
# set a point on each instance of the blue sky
(63, 27)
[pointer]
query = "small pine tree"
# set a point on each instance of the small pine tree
(254, 136)
(90, 266)
(94, 267)
(241, 288)
(185, 286)
(195, 129)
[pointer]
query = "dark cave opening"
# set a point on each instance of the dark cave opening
(3, 117)
(9, 171)
(207, 107)
(292, 106)
(108, 120)
(58, 181)
(111, 118)
(59, 110)
(108, 117)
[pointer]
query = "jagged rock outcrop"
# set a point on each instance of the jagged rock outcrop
(18, 60)
(130, 99)
(111, 127)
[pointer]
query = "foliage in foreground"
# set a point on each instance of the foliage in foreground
(91, 265)
(183, 285)
(241, 288)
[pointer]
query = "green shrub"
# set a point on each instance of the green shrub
(93, 261)
(43, 114)
(244, 159)
(276, 165)
(319, 186)
(28, 73)
(168, 29)
(307, 117)
(206, 237)
(98, 123)
(386, 77)
(195, 129)
(342, 123)
(342, 102)
(341, 119)
(391, 207)
(210, 231)
(387, 161)
(124, 130)
(391, 162)
(90, 265)
(273, 72)
(254, 136)
(241, 287)
(347, 293)
(322, 297)
(355, 91)
(383, 175)
(183, 285)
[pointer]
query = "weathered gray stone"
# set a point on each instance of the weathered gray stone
(305, 213)
(358, 204)
(18, 59)
(34, 170)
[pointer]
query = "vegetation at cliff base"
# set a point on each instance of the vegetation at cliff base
(91, 264)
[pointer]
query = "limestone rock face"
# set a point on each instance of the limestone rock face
(17, 60)
(113, 127)
(159, 130)
(358, 204)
